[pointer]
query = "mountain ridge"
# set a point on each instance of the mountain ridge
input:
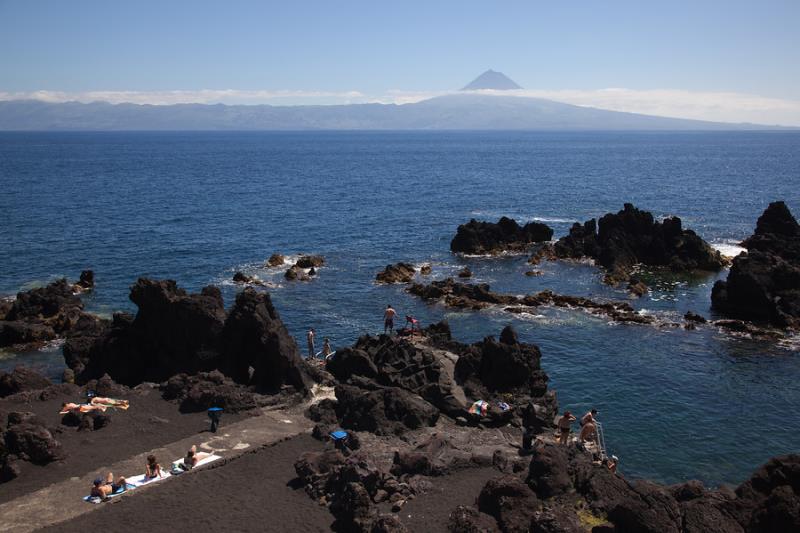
(461, 111)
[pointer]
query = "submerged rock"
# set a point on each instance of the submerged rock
(764, 284)
(506, 235)
(242, 278)
(631, 237)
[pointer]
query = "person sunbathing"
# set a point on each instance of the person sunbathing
(109, 402)
(105, 488)
(67, 407)
(152, 469)
(193, 457)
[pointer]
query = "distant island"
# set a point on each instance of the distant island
(469, 109)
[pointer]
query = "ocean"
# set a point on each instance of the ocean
(197, 207)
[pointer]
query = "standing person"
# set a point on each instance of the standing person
(591, 416)
(564, 427)
(326, 348)
(388, 319)
(310, 338)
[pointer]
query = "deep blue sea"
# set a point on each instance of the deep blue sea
(196, 207)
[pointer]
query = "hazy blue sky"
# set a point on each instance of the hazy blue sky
(376, 47)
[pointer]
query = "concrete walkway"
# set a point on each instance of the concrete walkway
(62, 501)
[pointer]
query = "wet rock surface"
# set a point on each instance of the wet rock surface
(632, 236)
(480, 296)
(477, 237)
(396, 273)
(45, 313)
(763, 285)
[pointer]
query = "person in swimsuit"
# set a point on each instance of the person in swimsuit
(193, 457)
(109, 402)
(105, 488)
(564, 427)
(388, 319)
(588, 432)
(589, 417)
(152, 469)
(81, 408)
(326, 348)
(310, 338)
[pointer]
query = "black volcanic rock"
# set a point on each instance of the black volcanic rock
(487, 237)
(254, 336)
(176, 332)
(383, 411)
(20, 380)
(764, 283)
(506, 366)
(397, 273)
(397, 362)
(632, 236)
(44, 313)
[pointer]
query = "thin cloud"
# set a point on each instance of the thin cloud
(713, 106)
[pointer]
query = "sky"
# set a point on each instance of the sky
(730, 60)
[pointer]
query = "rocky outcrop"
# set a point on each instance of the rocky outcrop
(480, 296)
(631, 236)
(310, 261)
(490, 238)
(397, 273)
(208, 389)
(275, 260)
(561, 480)
(26, 439)
(176, 332)
(244, 279)
(21, 379)
(763, 285)
(44, 313)
(254, 336)
(396, 362)
(383, 410)
(351, 488)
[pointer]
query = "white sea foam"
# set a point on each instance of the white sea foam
(728, 248)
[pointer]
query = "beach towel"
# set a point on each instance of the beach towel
(141, 479)
(480, 408)
(96, 499)
(178, 468)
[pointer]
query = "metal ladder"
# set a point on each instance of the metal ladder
(601, 440)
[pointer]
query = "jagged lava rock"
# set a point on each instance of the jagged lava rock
(764, 284)
(397, 273)
(632, 236)
(175, 332)
(21, 379)
(487, 237)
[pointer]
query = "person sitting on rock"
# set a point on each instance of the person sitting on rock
(193, 457)
(565, 426)
(103, 489)
(588, 432)
(611, 463)
(152, 469)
